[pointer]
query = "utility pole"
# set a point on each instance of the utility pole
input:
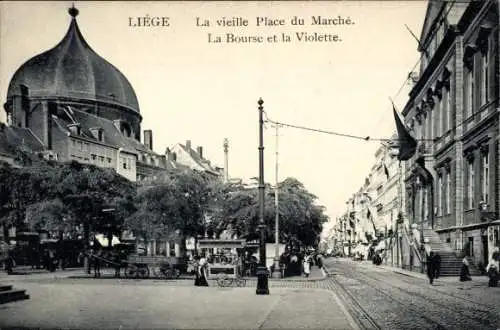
(262, 273)
(400, 213)
(226, 160)
(277, 270)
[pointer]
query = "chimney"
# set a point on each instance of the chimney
(200, 151)
(148, 139)
(74, 129)
(188, 144)
(169, 154)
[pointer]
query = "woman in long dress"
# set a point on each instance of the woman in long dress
(196, 265)
(307, 265)
(464, 272)
(202, 272)
(493, 268)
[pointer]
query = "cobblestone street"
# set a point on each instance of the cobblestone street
(396, 301)
(72, 302)
(376, 297)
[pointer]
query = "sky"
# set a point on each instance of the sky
(191, 89)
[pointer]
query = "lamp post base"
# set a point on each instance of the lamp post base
(262, 280)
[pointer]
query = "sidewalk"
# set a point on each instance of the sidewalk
(25, 272)
(418, 274)
(106, 306)
(317, 274)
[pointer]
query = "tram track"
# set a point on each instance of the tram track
(423, 322)
(471, 313)
(360, 314)
(422, 311)
(402, 278)
(411, 281)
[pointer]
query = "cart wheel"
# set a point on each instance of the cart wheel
(130, 272)
(143, 272)
(223, 280)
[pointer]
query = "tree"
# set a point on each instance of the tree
(176, 202)
(47, 215)
(6, 206)
(300, 217)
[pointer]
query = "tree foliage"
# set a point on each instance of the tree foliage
(300, 218)
(54, 196)
(46, 193)
(177, 201)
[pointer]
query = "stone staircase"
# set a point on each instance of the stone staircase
(9, 294)
(451, 264)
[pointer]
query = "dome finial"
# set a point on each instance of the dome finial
(73, 11)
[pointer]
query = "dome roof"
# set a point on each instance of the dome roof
(72, 69)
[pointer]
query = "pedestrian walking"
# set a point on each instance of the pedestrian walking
(319, 260)
(493, 268)
(52, 260)
(437, 264)
(307, 265)
(431, 267)
(116, 262)
(196, 265)
(96, 261)
(202, 271)
(9, 263)
(465, 272)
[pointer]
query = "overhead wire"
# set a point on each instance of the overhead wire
(352, 136)
(452, 3)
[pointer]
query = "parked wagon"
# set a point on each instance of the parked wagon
(150, 266)
(224, 260)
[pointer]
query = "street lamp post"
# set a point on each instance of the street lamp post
(262, 274)
(277, 270)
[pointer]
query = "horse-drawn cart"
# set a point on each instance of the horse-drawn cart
(150, 266)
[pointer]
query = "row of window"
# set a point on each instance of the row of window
(444, 187)
(484, 180)
(477, 72)
(90, 147)
(443, 193)
(80, 145)
(127, 163)
(100, 159)
(477, 84)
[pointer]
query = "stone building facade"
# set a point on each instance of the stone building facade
(451, 183)
(80, 107)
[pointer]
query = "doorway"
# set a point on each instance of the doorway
(484, 240)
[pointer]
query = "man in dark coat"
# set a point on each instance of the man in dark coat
(431, 268)
(437, 265)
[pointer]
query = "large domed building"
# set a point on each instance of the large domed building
(80, 107)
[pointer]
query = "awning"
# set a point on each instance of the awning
(220, 243)
(103, 240)
(49, 240)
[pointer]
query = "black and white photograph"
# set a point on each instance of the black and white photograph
(250, 164)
